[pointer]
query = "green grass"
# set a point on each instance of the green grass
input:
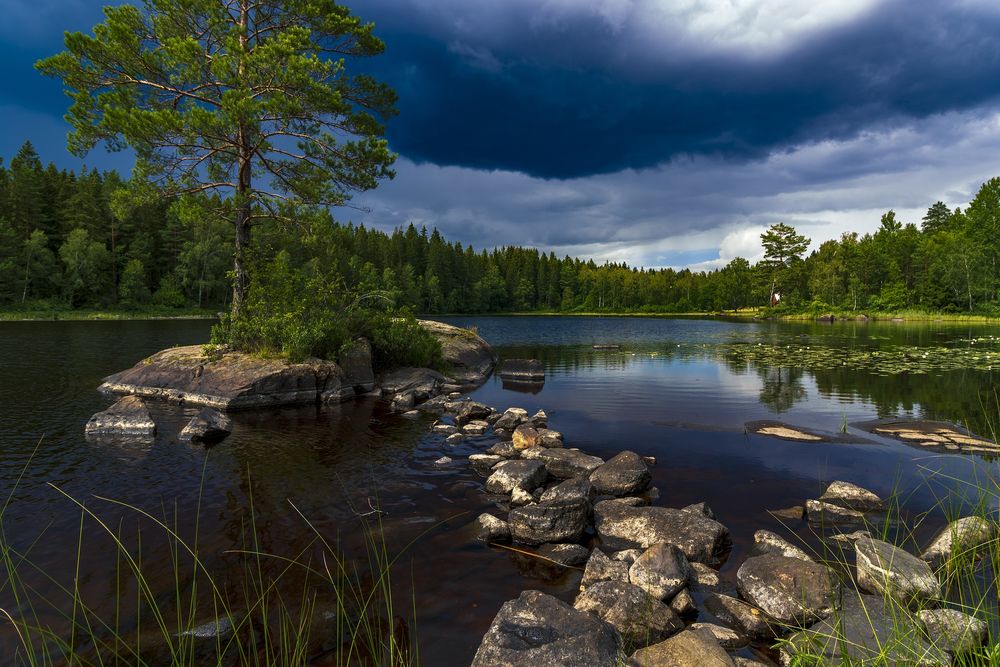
(969, 582)
(272, 610)
(105, 314)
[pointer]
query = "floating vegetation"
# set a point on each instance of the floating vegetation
(915, 360)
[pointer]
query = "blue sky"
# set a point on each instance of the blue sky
(651, 131)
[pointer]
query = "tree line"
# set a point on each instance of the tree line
(67, 241)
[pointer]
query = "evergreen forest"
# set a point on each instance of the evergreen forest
(68, 242)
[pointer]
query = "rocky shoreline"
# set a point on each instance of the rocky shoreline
(650, 592)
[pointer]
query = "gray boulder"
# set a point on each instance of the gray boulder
(886, 569)
(422, 382)
(208, 426)
(601, 568)
(469, 411)
(128, 417)
(700, 508)
(574, 489)
(511, 419)
(564, 463)
(953, 631)
(822, 513)
(690, 648)
(739, 615)
(468, 358)
(624, 474)
(662, 571)
(622, 526)
(852, 496)
(483, 463)
(640, 618)
(793, 592)
(728, 638)
(966, 535)
(706, 580)
(538, 629)
(557, 521)
(565, 554)
(509, 475)
(491, 529)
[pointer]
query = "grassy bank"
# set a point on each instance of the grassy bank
(760, 313)
(108, 314)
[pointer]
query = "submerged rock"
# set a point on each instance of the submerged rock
(690, 648)
(538, 629)
(793, 592)
(208, 426)
(624, 474)
(640, 618)
(622, 526)
(865, 629)
(886, 569)
(128, 417)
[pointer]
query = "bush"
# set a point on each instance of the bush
(401, 341)
(301, 312)
(169, 295)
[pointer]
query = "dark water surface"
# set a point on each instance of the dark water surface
(664, 393)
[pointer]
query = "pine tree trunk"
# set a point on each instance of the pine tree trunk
(241, 271)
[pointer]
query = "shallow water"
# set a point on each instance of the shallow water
(666, 393)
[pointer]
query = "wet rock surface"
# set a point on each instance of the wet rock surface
(538, 629)
(128, 417)
(662, 571)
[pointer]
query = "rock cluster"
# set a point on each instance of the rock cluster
(651, 587)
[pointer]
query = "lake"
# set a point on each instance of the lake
(677, 389)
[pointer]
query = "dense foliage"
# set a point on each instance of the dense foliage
(61, 246)
(248, 110)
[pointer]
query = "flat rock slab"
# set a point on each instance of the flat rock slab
(229, 381)
(523, 370)
(128, 417)
(622, 526)
(931, 434)
(538, 629)
(564, 463)
(864, 630)
(783, 431)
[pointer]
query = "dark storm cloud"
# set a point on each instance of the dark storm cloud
(490, 85)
